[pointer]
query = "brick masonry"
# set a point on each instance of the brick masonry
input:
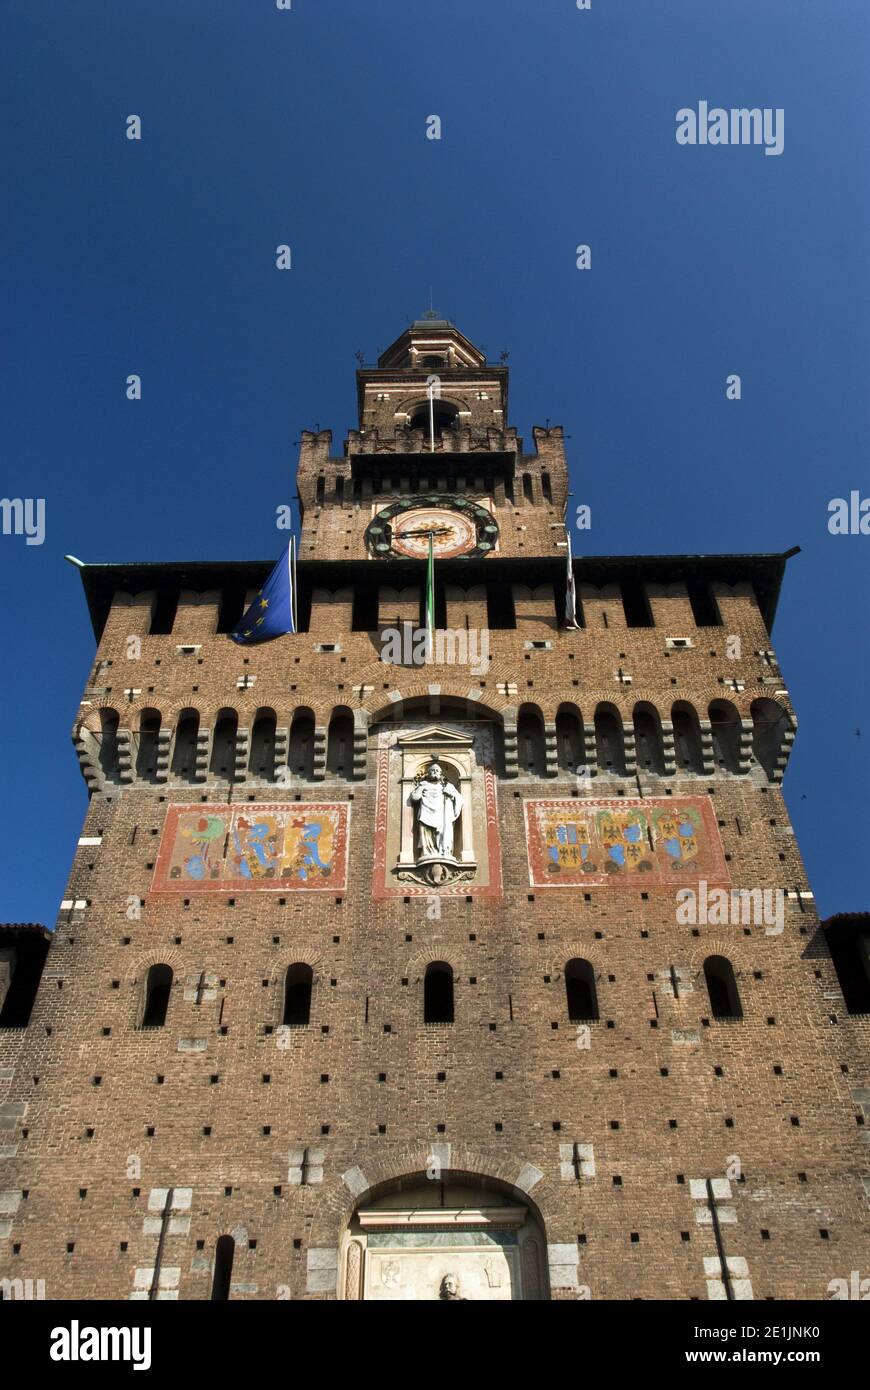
(116, 1139)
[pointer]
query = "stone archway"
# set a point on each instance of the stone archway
(416, 1239)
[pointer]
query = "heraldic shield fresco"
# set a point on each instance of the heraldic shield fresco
(658, 841)
(284, 848)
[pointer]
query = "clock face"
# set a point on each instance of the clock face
(452, 534)
(459, 528)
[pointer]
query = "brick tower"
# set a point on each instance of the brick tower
(492, 975)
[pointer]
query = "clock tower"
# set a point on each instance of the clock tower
(433, 451)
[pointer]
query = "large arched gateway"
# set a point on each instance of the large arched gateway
(420, 1239)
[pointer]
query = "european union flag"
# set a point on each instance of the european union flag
(273, 612)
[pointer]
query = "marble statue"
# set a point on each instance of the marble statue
(437, 804)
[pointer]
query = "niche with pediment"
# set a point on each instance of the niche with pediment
(436, 827)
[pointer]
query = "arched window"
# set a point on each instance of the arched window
(146, 754)
(158, 983)
(769, 724)
(569, 739)
(580, 991)
(297, 995)
(108, 739)
(725, 724)
(301, 756)
(648, 739)
(223, 1268)
(438, 993)
(184, 751)
(722, 988)
(687, 738)
(339, 744)
(609, 743)
(223, 747)
(445, 417)
(531, 754)
(262, 760)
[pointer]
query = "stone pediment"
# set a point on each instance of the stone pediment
(434, 737)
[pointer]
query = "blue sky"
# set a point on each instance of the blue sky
(308, 127)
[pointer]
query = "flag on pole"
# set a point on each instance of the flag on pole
(273, 612)
(430, 601)
(570, 591)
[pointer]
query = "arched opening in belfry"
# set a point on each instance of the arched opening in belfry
(445, 417)
(444, 1237)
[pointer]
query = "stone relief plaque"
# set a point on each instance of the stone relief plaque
(447, 1267)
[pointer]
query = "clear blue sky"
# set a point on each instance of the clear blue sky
(307, 127)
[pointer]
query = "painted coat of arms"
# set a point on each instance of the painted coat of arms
(301, 846)
(571, 841)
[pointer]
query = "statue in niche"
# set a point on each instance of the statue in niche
(449, 1291)
(437, 805)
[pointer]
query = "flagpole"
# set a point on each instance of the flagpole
(430, 600)
(291, 569)
(430, 391)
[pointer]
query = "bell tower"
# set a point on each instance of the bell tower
(432, 429)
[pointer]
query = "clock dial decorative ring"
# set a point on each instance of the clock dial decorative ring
(458, 528)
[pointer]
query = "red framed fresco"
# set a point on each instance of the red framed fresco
(300, 847)
(658, 842)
